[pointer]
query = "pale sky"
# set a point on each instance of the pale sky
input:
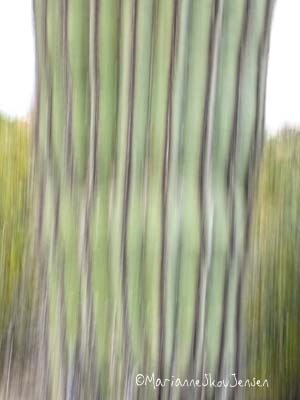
(17, 65)
(283, 87)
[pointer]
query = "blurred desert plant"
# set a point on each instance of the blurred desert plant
(274, 275)
(14, 235)
(149, 124)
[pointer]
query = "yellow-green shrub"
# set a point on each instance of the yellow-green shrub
(14, 224)
(274, 274)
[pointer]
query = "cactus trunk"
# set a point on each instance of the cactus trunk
(149, 125)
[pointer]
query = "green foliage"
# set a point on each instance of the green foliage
(274, 301)
(14, 224)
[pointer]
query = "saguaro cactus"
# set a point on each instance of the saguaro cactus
(149, 125)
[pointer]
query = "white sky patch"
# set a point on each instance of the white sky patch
(283, 85)
(17, 57)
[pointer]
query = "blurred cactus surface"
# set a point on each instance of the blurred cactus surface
(148, 131)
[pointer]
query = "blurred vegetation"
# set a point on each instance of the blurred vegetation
(14, 235)
(274, 274)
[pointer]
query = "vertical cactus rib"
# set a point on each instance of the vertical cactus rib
(205, 195)
(145, 54)
(231, 181)
(175, 197)
(165, 195)
(94, 92)
(39, 176)
(68, 135)
(87, 299)
(126, 196)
